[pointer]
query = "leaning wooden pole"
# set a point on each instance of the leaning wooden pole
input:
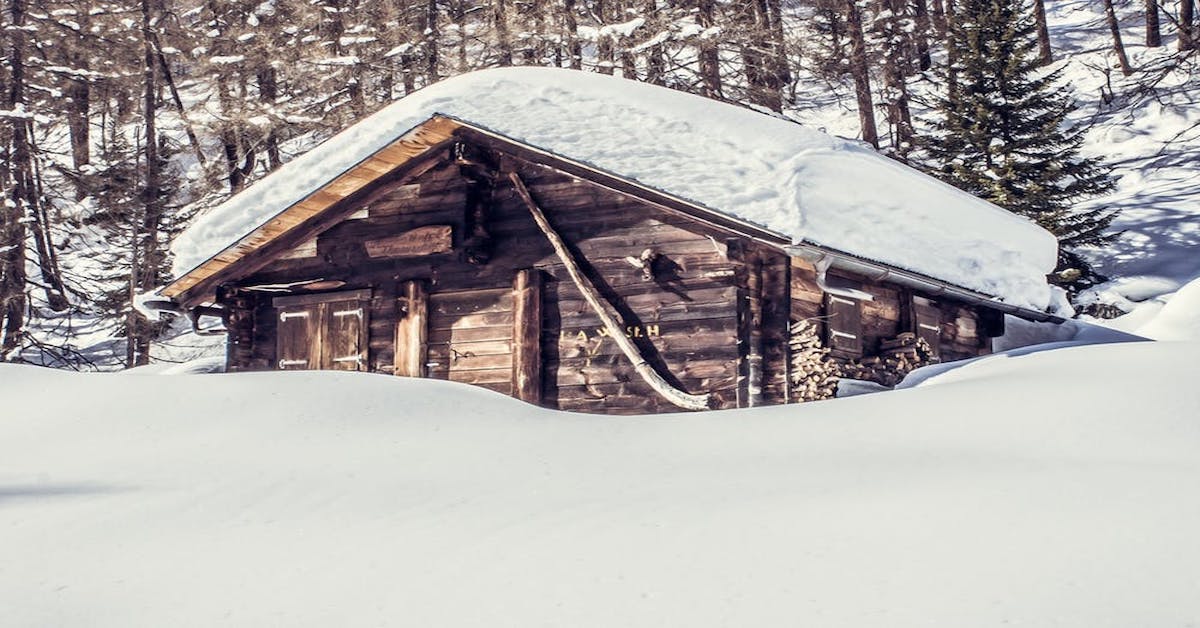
(592, 296)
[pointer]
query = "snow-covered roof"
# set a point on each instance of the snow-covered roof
(801, 183)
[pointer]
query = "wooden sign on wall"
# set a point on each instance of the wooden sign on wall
(420, 241)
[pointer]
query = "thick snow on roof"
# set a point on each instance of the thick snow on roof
(799, 182)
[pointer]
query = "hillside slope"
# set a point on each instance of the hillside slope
(1009, 493)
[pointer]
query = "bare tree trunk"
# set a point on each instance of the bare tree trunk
(859, 71)
(27, 201)
(782, 73)
(12, 251)
(571, 26)
(79, 98)
(503, 41)
(433, 37)
(921, 36)
(78, 107)
(147, 250)
(1187, 18)
(268, 92)
(230, 131)
(165, 68)
(655, 64)
(938, 13)
(1153, 32)
(710, 60)
(1043, 32)
(753, 20)
(894, 61)
(604, 47)
(47, 260)
(533, 17)
(1110, 16)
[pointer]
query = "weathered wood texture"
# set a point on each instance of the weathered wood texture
(527, 336)
(684, 318)
(951, 328)
(606, 310)
(708, 298)
(322, 331)
(484, 362)
(410, 350)
(406, 157)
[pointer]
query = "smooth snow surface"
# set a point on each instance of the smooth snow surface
(799, 182)
(1179, 318)
(1052, 489)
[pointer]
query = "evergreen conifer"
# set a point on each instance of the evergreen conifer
(1001, 136)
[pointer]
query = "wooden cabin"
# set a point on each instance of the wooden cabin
(457, 253)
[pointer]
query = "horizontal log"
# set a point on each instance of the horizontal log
(449, 200)
(574, 318)
(441, 363)
(641, 297)
(477, 377)
(489, 347)
(452, 304)
(470, 334)
(702, 376)
(504, 388)
(690, 346)
(483, 319)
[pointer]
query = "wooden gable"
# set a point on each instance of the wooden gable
(311, 215)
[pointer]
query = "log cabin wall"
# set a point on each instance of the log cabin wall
(890, 311)
(673, 281)
(710, 310)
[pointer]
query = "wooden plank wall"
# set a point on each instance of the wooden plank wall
(470, 337)
(685, 318)
(885, 316)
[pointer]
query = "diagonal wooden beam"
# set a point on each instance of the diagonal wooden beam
(660, 385)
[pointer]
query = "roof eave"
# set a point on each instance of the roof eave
(878, 271)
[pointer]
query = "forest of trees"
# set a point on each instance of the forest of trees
(123, 118)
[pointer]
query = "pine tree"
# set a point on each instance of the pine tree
(1001, 134)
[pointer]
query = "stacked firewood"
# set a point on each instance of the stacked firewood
(814, 373)
(897, 358)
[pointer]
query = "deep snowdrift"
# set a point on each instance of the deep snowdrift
(1055, 489)
(797, 181)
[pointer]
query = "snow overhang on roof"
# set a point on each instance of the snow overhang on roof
(764, 174)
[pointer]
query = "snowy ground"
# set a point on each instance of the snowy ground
(1056, 488)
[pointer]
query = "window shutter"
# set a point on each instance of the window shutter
(296, 337)
(343, 347)
(843, 326)
(927, 321)
(322, 331)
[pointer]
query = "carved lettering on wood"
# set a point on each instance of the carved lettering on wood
(420, 241)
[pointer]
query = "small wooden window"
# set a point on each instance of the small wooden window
(927, 322)
(322, 331)
(843, 325)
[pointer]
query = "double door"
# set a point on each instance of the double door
(326, 331)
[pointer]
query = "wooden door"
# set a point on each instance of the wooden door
(471, 337)
(322, 331)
